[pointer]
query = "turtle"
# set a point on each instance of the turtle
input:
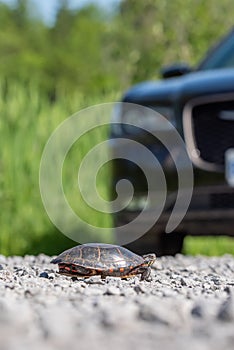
(90, 259)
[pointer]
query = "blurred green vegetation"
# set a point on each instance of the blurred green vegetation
(208, 245)
(93, 52)
(87, 57)
(28, 119)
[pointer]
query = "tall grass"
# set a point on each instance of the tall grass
(27, 120)
(208, 246)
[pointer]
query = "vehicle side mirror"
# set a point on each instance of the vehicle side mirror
(175, 70)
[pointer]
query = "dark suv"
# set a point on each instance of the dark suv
(200, 104)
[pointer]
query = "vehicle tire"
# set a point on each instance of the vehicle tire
(158, 243)
(171, 243)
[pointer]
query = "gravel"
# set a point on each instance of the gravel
(188, 303)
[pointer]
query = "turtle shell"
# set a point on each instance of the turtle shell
(98, 256)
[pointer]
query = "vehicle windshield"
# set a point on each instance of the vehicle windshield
(222, 56)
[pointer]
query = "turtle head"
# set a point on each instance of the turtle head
(149, 259)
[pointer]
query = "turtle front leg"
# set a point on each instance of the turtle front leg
(146, 274)
(144, 271)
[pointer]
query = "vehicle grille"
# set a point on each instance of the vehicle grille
(212, 130)
(222, 200)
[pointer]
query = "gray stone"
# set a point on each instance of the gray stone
(226, 310)
(183, 282)
(95, 280)
(148, 314)
(111, 290)
(197, 311)
(127, 291)
(44, 275)
(139, 288)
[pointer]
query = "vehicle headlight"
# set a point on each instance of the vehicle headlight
(156, 118)
(129, 117)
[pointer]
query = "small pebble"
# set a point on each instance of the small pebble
(226, 311)
(44, 275)
(112, 291)
(197, 311)
(95, 280)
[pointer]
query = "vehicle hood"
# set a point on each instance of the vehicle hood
(192, 84)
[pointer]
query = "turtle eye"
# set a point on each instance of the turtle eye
(149, 259)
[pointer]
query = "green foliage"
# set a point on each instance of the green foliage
(27, 120)
(160, 32)
(93, 52)
(209, 245)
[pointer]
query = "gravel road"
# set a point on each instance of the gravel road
(188, 304)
